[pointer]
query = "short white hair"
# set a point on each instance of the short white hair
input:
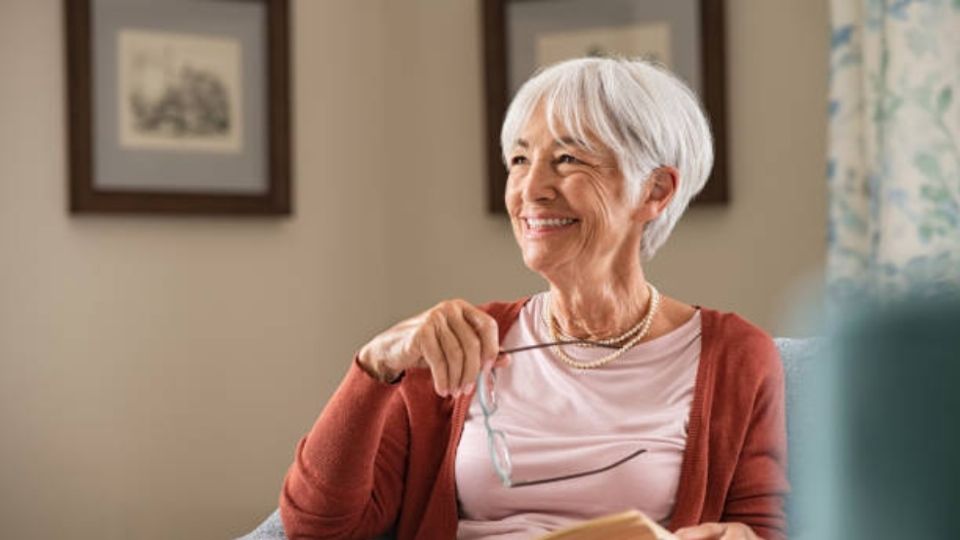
(644, 114)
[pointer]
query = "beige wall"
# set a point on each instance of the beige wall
(155, 372)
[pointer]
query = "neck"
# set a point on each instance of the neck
(599, 307)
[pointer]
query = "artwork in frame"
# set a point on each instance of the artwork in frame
(178, 106)
(687, 36)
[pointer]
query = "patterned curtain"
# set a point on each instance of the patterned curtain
(894, 154)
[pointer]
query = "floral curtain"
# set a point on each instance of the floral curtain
(894, 151)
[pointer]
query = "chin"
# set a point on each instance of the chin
(539, 262)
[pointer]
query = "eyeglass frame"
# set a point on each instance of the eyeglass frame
(504, 471)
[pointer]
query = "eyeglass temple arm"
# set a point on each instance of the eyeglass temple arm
(578, 475)
(556, 343)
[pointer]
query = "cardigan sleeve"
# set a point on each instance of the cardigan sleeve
(349, 475)
(346, 480)
(759, 484)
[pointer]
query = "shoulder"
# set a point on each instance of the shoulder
(738, 344)
(731, 331)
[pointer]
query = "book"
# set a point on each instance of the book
(629, 525)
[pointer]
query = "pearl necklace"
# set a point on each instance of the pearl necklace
(641, 330)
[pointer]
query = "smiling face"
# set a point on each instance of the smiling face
(569, 207)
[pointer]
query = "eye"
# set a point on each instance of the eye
(567, 158)
(518, 160)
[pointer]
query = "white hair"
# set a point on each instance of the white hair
(644, 114)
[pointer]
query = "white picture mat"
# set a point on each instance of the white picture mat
(119, 167)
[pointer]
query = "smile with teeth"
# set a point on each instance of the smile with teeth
(548, 223)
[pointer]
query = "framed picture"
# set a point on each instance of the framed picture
(522, 36)
(178, 106)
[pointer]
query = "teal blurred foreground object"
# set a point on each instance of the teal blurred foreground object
(797, 356)
(885, 462)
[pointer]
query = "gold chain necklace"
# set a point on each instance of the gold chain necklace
(549, 323)
(642, 328)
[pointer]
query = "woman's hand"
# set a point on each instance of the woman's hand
(453, 340)
(717, 531)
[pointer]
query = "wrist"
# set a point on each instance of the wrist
(378, 370)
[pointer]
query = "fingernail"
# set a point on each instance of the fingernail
(456, 393)
(469, 388)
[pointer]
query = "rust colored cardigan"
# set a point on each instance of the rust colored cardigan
(381, 456)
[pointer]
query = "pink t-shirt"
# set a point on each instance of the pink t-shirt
(559, 420)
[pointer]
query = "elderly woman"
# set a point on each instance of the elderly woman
(509, 420)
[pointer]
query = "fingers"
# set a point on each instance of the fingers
(465, 373)
(456, 340)
(717, 531)
(706, 531)
(486, 328)
(452, 352)
(432, 353)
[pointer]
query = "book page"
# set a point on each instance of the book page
(629, 525)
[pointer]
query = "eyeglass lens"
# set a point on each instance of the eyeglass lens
(488, 390)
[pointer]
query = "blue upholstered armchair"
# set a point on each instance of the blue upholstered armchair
(795, 354)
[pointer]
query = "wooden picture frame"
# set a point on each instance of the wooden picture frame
(178, 108)
(705, 17)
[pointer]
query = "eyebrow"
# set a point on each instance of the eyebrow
(562, 141)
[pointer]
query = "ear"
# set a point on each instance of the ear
(660, 188)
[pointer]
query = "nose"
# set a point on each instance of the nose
(539, 182)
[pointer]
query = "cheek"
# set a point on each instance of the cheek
(517, 228)
(603, 229)
(511, 196)
(592, 204)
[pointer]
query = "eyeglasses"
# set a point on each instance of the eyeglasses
(497, 439)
